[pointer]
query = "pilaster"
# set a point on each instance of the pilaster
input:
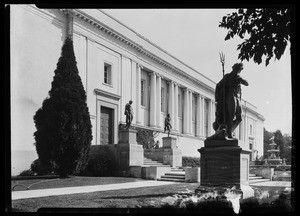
(153, 100)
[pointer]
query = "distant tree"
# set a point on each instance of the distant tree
(267, 141)
(63, 134)
(287, 152)
(265, 32)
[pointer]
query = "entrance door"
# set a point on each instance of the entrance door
(106, 126)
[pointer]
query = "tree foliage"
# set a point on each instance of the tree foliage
(146, 137)
(265, 32)
(284, 143)
(63, 134)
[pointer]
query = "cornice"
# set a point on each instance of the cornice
(107, 94)
(90, 20)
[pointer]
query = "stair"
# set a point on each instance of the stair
(148, 162)
(253, 178)
(176, 175)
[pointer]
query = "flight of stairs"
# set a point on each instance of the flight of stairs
(148, 162)
(253, 178)
(175, 175)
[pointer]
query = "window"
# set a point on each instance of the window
(251, 130)
(143, 82)
(107, 73)
(250, 146)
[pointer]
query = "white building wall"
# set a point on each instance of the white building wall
(34, 58)
(36, 40)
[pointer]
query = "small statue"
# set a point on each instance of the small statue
(168, 125)
(156, 145)
(129, 114)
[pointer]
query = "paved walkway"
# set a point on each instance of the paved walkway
(273, 184)
(85, 189)
(129, 185)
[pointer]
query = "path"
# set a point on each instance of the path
(84, 189)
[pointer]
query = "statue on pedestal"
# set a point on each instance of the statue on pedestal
(168, 125)
(228, 105)
(129, 114)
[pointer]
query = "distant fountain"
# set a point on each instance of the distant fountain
(273, 159)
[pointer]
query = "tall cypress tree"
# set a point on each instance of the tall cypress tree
(64, 131)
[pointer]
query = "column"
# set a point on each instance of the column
(190, 112)
(158, 101)
(138, 94)
(203, 116)
(198, 115)
(153, 100)
(176, 107)
(186, 111)
(171, 102)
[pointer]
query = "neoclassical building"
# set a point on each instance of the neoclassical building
(116, 64)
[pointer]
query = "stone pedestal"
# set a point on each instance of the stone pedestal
(129, 153)
(169, 142)
(172, 157)
(225, 164)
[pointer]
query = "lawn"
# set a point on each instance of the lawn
(126, 198)
(18, 185)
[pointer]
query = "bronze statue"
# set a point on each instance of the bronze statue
(168, 125)
(228, 105)
(129, 114)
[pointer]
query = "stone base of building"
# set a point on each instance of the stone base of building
(225, 164)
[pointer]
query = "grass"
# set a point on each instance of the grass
(73, 181)
(126, 198)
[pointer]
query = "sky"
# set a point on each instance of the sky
(193, 36)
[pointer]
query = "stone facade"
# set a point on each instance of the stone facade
(116, 65)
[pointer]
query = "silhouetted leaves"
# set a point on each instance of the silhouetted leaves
(265, 32)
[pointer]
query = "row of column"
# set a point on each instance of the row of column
(155, 106)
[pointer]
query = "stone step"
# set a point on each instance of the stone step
(158, 165)
(176, 173)
(172, 180)
(177, 170)
(258, 180)
(255, 177)
(172, 177)
(153, 163)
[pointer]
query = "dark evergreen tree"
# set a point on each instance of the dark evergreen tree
(64, 130)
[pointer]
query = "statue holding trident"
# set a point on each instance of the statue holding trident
(228, 105)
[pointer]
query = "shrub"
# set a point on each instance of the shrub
(27, 172)
(37, 168)
(102, 163)
(190, 161)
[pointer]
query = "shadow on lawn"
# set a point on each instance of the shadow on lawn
(140, 196)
